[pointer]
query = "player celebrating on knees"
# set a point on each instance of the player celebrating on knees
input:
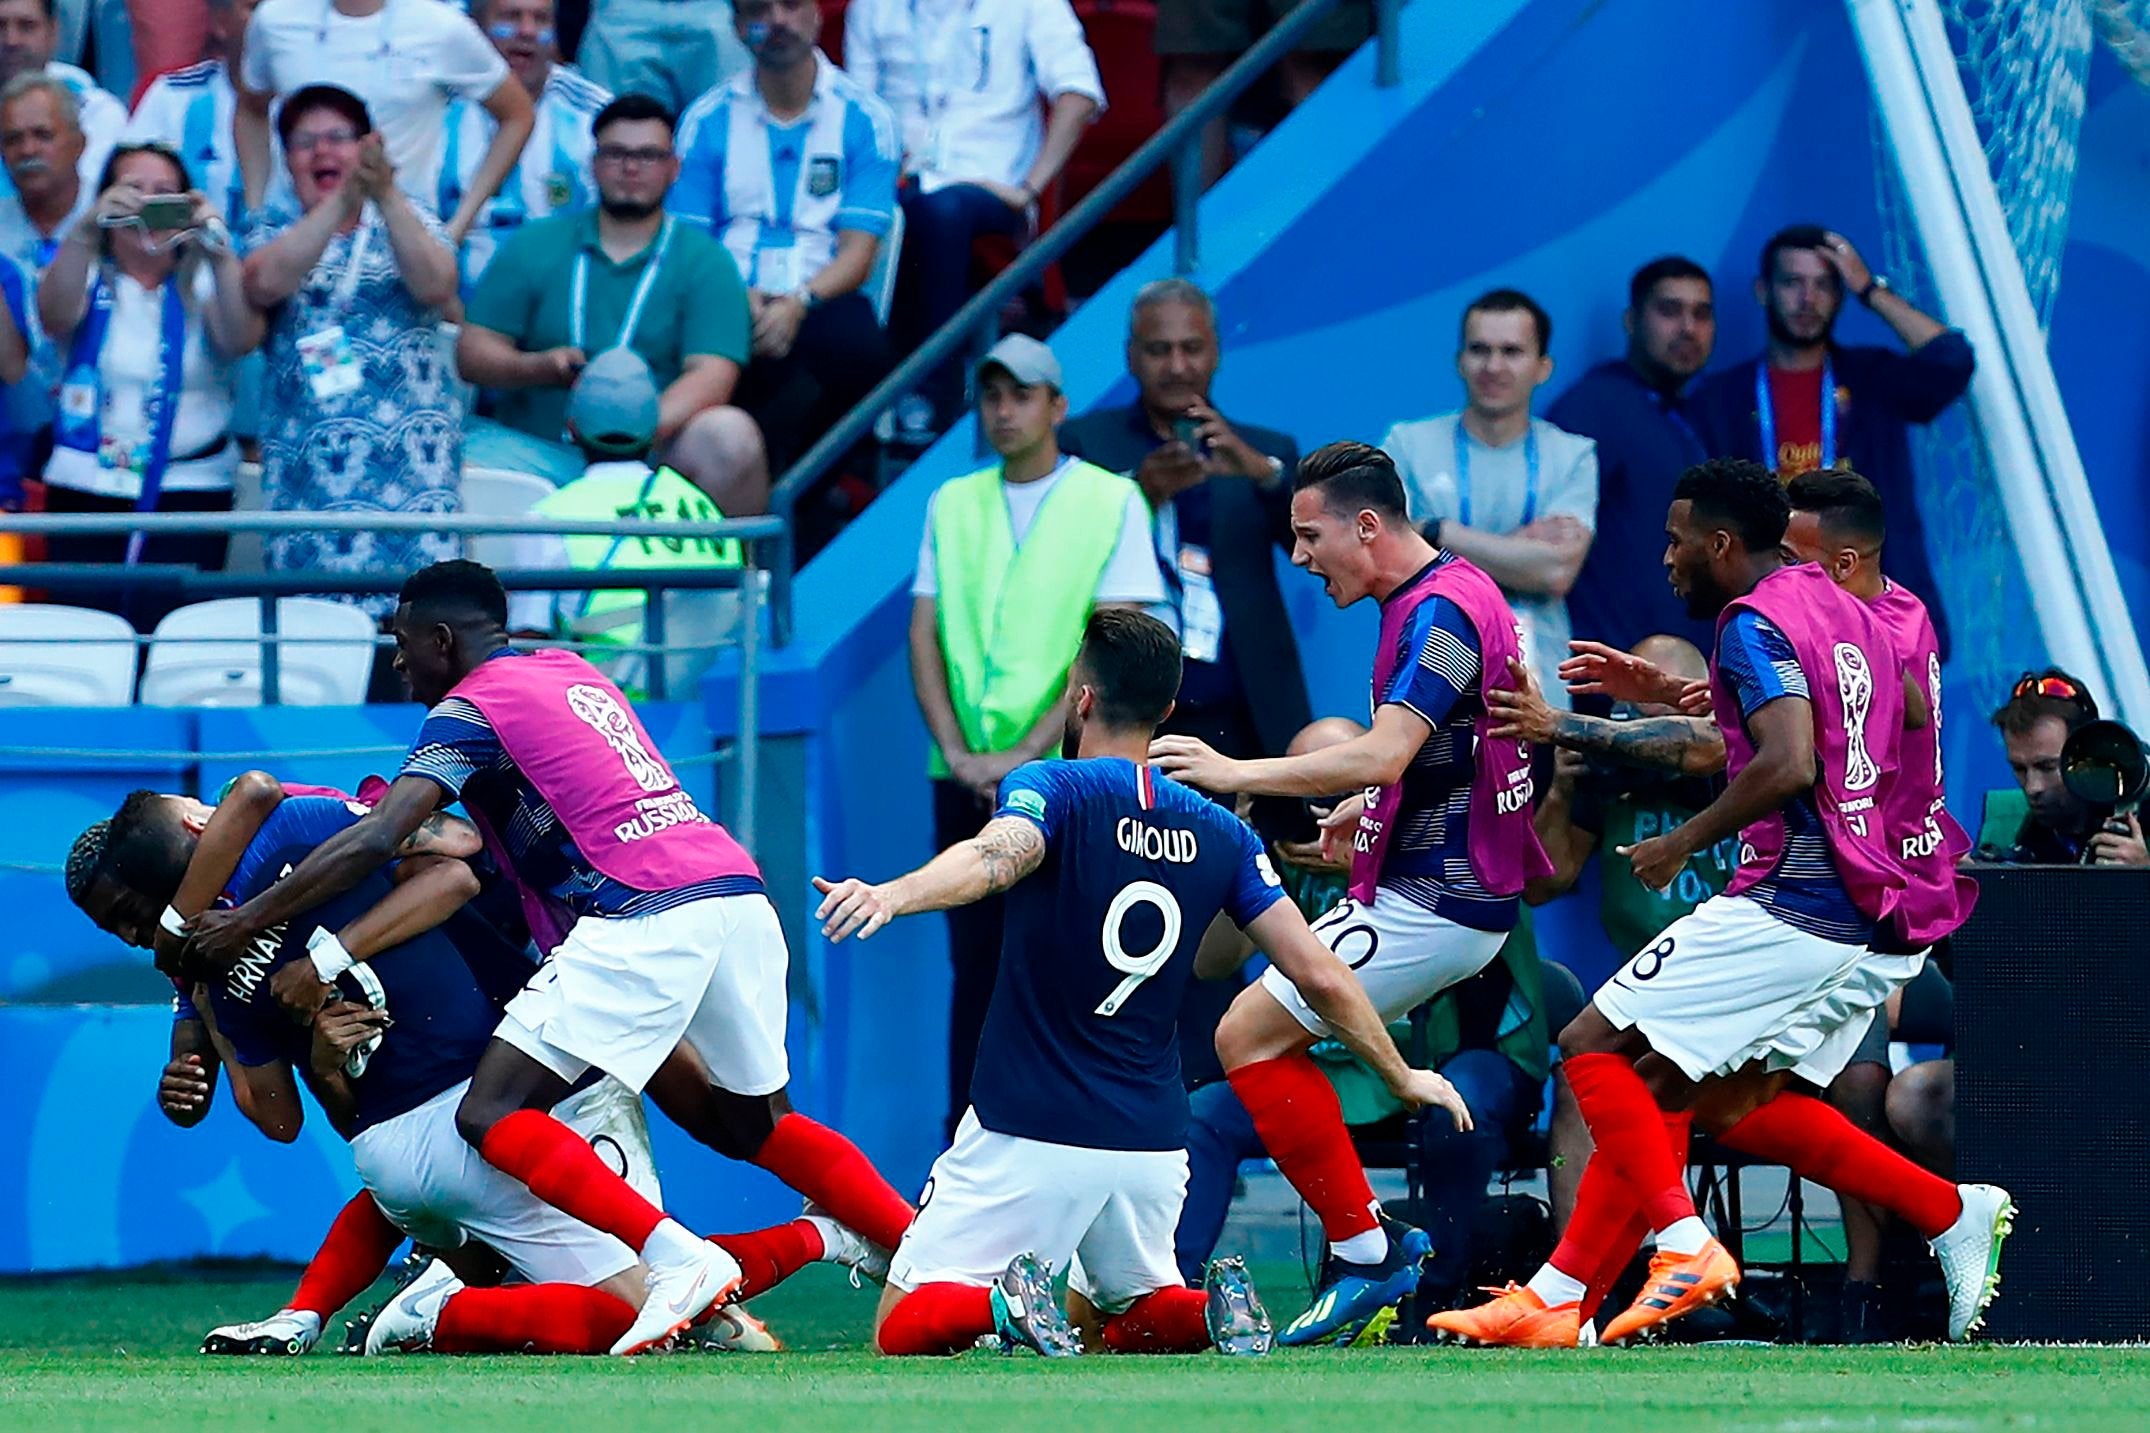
(1074, 1150)
(1444, 843)
(657, 925)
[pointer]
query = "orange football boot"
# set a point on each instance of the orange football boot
(1516, 1318)
(1678, 1285)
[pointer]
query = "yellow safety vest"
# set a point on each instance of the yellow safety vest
(615, 615)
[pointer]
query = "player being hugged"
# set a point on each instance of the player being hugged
(1073, 1153)
(1442, 846)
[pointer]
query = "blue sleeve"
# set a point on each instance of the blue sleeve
(870, 164)
(183, 1006)
(1255, 887)
(1758, 662)
(300, 823)
(698, 193)
(1037, 791)
(1440, 666)
(15, 292)
(455, 744)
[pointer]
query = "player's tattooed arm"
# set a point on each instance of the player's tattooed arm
(442, 835)
(1008, 849)
(1692, 746)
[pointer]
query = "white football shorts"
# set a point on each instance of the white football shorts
(1403, 954)
(1107, 1216)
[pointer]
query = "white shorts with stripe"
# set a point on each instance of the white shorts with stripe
(1403, 954)
(1729, 985)
(1107, 1216)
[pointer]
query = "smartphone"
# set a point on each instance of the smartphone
(1187, 431)
(167, 211)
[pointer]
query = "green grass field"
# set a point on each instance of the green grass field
(118, 1353)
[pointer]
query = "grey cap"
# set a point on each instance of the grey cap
(1024, 359)
(613, 405)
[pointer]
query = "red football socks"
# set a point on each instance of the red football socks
(1630, 1133)
(562, 1169)
(1294, 1110)
(937, 1318)
(1818, 1143)
(833, 1172)
(770, 1256)
(1161, 1321)
(531, 1318)
(356, 1249)
(1614, 1255)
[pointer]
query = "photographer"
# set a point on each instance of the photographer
(2042, 711)
(147, 302)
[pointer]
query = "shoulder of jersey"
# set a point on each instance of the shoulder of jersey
(852, 91)
(702, 107)
(579, 91)
(194, 76)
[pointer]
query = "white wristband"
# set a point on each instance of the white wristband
(329, 957)
(172, 923)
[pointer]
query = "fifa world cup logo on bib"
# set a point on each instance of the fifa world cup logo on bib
(1855, 684)
(605, 716)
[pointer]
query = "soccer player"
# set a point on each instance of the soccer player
(1443, 845)
(1073, 1152)
(657, 922)
(1797, 877)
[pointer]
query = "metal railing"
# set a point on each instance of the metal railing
(976, 326)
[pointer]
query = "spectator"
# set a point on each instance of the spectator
(28, 37)
(989, 672)
(191, 110)
(1810, 402)
(2043, 709)
(1222, 498)
(964, 78)
(1197, 40)
(1631, 408)
(672, 50)
(793, 165)
(624, 275)
(359, 408)
(1487, 1036)
(1512, 493)
(552, 174)
(405, 60)
(152, 317)
(168, 35)
(41, 145)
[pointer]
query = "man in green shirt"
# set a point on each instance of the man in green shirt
(624, 275)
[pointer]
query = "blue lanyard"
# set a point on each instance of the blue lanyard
(1765, 413)
(1463, 474)
(85, 434)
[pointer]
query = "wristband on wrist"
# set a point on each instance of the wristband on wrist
(172, 923)
(329, 957)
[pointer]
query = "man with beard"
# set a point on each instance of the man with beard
(2042, 711)
(622, 275)
(1810, 402)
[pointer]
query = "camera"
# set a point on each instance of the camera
(2104, 766)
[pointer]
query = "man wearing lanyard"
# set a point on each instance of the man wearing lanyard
(1631, 407)
(1515, 495)
(1810, 402)
(553, 171)
(41, 142)
(624, 275)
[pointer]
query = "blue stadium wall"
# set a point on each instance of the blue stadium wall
(1551, 145)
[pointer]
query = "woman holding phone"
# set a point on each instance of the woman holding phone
(147, 301)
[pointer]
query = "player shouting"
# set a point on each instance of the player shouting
(657, 924)
(1073, 1152)
(1443, 846)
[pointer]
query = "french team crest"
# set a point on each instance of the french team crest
(823, 174)
(559, 189)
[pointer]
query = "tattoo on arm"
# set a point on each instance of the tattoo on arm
(1011, 849)
(428, 837)
(1691, 745)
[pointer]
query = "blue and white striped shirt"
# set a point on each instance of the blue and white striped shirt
(550, 176)
(191, 110)
(777, 194)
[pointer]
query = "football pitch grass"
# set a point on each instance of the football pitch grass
(119, 1352)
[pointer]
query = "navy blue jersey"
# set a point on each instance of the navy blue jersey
(1428, 861)
(1081, 1041)
(442, 1017)
(1805, 890)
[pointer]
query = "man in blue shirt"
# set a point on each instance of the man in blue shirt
(793, 165)
(1073, 1152)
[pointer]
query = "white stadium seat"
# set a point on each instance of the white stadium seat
(53, 656)
(496, 492)
(227, 673)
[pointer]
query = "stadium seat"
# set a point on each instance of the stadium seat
(1123, 36)
(832, 30)
(880, 285)
(496, 492)
(330, 665)
(52, 656)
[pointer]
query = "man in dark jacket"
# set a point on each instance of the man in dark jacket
(1809, 402)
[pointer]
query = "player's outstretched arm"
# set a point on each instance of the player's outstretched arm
(247, 803)
(1687, 744)
(1328, 985)
(333, 867)
(1376, 757)
(1008, 849)
(436, 890)
(1784, 765)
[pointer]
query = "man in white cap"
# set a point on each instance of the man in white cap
(990, 672)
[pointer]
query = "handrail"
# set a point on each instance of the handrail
(1181, 138)
(742, 529)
